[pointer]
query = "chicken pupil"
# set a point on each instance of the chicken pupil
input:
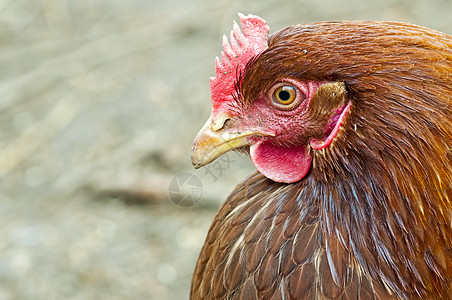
(284, 95)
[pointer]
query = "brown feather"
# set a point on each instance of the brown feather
(329, 288)
(306, 242)
(247, 292)
(302, 282)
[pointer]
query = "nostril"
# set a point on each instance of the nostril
(220, 122)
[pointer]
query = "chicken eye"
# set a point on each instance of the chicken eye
(284, 95)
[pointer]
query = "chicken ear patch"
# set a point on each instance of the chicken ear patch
(332, 129)
(281, 164)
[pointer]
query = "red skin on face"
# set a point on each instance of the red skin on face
(277, 156)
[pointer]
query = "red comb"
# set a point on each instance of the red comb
(235, 56)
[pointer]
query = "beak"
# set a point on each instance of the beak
(213, 140)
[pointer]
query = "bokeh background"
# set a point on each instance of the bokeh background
(100, 101)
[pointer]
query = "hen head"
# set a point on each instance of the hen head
(280, 120)
(357, 115)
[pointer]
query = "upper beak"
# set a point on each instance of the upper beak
(213, 140)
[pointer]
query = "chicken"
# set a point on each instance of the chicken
(349, 125)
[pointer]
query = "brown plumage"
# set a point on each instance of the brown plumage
(372, 218)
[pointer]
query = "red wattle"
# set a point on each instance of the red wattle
(281, 164)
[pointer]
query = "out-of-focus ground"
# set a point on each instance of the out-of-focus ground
(100, 101)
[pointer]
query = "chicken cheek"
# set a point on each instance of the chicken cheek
(281, 164)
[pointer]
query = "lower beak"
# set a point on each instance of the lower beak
(212, 141)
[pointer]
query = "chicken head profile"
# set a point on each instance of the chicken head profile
(349, 125)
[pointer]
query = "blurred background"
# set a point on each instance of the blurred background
(100, 101)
